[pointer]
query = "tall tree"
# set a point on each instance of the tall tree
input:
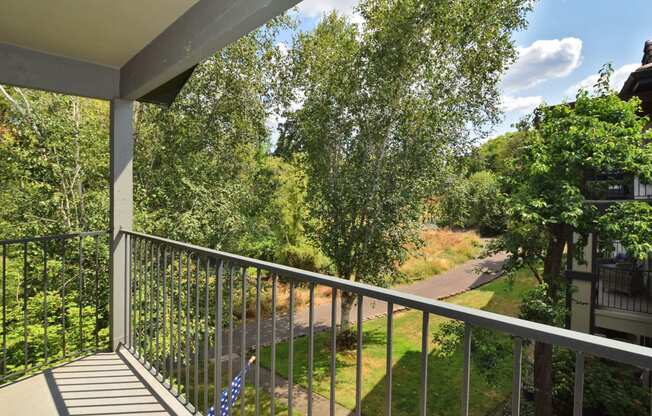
(384, 105)
(550, 195)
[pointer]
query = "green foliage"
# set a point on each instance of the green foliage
(630, 224)
(54, 156)
(498, 154)
(539, 306)
(610, 388)
(197, 162)
(377, 124)
(548, 184)
(476, 201)
(488, 351)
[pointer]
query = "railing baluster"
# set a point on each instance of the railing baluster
(25, 268)
(4, 311)
(164, 356)
(187, 355)
(425, 338)
(172, 350)
(243, 338)
(97, 294)
(206, 333)
(196, 352)
(63, 298)
(45, 302)
(151, 325)
(273, 350)
(311, 345)
(516, 388)
(333, 350)
(230, 364)
(258, 350)
(81, 294)
(390, 330)
(466, 370)
(358, 363)
(291, 351)
(139, 303)
(217, 390)
(578, 396)
(179, 351)
(158, 309)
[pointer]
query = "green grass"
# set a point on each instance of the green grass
(488, 391)
(249, 394)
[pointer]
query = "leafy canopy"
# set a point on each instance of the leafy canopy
(384, 107)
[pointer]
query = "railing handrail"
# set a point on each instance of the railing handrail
(589, 344)
(23, 240)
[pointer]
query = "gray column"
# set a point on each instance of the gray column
(121, 212)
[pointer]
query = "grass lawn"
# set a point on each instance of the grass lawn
(442, 250)
(488, 391)
(249, 394)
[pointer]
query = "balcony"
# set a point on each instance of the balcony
(182, 314)
(617, 186)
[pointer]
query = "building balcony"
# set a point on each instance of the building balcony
(616, 186)
(192, 317)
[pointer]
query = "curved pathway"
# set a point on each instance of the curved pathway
(461, 278)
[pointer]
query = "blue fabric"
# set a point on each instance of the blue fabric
(236, 388)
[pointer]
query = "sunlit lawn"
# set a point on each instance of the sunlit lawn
(488, 391)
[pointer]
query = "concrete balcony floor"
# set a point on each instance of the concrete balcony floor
(101, 384)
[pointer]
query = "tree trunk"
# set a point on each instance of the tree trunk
(345, 311)
(543, 379)
(543, 352)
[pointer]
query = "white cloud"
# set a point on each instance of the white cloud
(315, 8)
(542, 60)
(520, 105)
(617, 80)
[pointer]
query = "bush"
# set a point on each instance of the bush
(473, 202)
(304, 257)
(610, 388)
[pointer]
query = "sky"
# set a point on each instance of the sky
(564, 46)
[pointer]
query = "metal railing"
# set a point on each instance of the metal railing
(185, 302)
(54, 300)
(627, 289)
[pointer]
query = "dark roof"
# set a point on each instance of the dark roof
(639, 82)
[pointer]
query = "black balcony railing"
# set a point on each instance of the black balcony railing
(188, 307)
(610, 187)
(624, 287)
(54, 300)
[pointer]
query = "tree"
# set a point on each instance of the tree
(549, 196)
(54, 158)
(196, 162)
(385, 105)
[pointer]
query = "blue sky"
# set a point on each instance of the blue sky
(564, 46)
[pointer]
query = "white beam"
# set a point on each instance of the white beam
(121, 214)
(22, 67)
(205, 28)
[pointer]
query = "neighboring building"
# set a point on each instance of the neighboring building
(612, 293)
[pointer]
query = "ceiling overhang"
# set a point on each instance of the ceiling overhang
(136, 56)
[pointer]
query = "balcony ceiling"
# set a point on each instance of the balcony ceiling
(102, 32)
(129, 49)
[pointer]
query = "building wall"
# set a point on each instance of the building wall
(581, 295)
(581, 306)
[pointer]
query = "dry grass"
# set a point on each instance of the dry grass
(442, 250)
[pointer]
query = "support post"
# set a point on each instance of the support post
(121, 215)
